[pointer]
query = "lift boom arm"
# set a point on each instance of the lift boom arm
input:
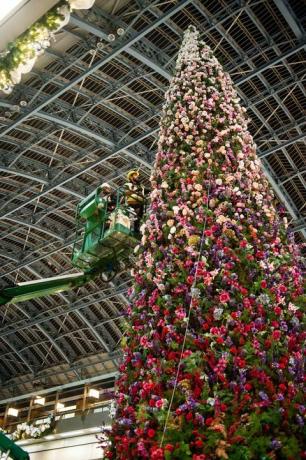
(9, 447)
(39, 288)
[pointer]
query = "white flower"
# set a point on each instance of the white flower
(219, 181)
(222, 149)
(218, 313)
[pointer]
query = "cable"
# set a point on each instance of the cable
(188, 319)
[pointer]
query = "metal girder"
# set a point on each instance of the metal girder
(286, 10)
(115, 52)
(63, 310)
(281, 192)
(39, 228)
(294, 125)
(48, 336)
(105, 376)
(299, 225)
(23, 173)
(75, 20)
(53, 185)
(270, 92)
(292, 176)
(272, 63)
(17, 353)
(8, 256)
(89, 133)
(281, 146)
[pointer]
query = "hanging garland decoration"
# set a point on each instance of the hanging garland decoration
(31, 431)
(20, 55)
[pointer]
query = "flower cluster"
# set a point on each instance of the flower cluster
(213, 366)
(27, 430)
(21, 55)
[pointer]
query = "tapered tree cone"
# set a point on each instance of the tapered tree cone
(212, 364)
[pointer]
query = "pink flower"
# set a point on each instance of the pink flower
(224, 297)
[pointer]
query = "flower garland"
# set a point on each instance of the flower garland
(29, 431)
(213, 365)
(20, 55)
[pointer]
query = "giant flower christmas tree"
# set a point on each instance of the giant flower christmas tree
(212, 362)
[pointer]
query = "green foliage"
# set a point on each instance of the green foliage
(238, 452)
(22, 50)
(182, 452)
(291, 448)
(193, 362)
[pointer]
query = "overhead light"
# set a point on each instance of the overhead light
(8, 8)
(40, 400)
(59, 407)
(92, 393)
(12, 412)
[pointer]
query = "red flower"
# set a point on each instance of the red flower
(189, 416)
(219, 340)
(199, 443)
(276, 335)
(268, 343)
(224, 297)
(157, 453)
(248, 387)
(151, 433)
(169, 447)
(208, 233)
(243, 243)
(277, 310)
(263, 284)
(209, 421)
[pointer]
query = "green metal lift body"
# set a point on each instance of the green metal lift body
(7, 446)
(103, 239)
(107, 238)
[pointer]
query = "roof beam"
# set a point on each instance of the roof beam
(107, 375)
(63, 311)
(293, 22)
(299, 225)
(17, 353)
(114, 53)
(53, 185)
(39, 228)
(281, 146)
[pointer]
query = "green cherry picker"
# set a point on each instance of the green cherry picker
(11, 450)
(105, 238)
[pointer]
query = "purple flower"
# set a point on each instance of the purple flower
(276, 444)
(263, 396)
(300, 420)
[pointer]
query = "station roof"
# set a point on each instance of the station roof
(88, 112)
